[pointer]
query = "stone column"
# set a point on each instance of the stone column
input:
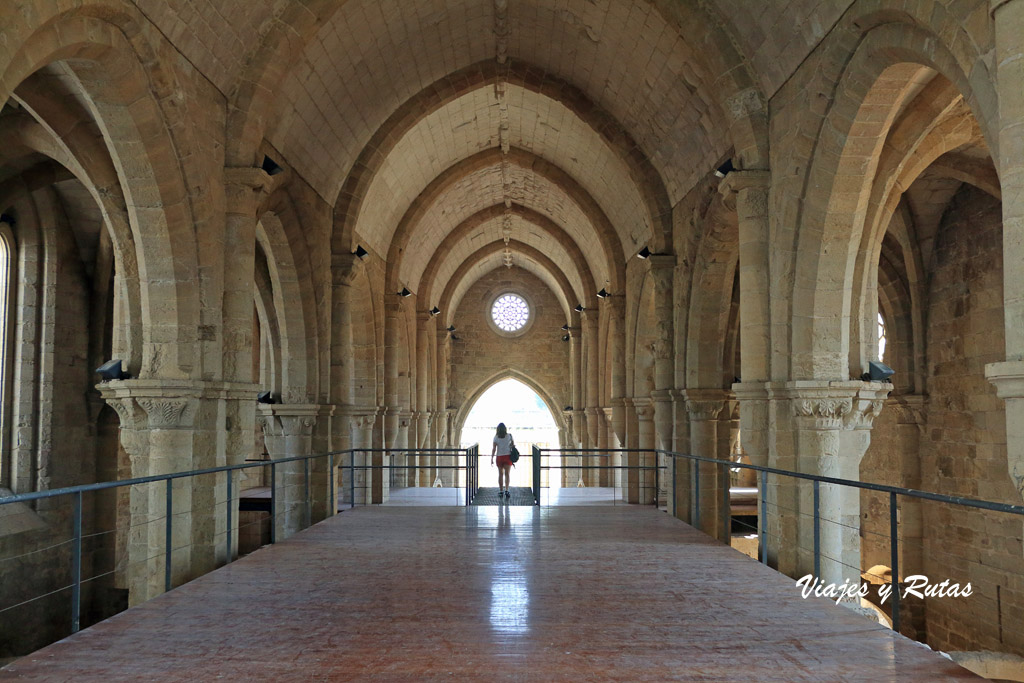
(576, 378)
(911, 419)
(1008, 376)
(663, 275)
(705, 407)
(288, 433)
(831, 431)
(589, 322)
(394, 318)
(344, 269)
(362, 422)
(647, 479)
(170, 426)
(616, 308)
(630, 476)
(681, 504)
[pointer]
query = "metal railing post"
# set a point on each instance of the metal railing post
(895, 561)
(675, 499)
(726, 505)
(76, 566)
(657, 479)
(229, 506)
(817, 530)
(352, 476)
(696, 495)
(763, 521)
(309, 495)
(536, 475)
(330, 485)
(167, 535)
(273, 503)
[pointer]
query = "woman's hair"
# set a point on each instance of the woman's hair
(501, 430)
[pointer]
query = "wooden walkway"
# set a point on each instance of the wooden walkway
(489, 593)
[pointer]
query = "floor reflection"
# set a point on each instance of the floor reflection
(510, 593)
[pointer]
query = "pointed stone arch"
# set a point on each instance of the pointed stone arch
(508, 373)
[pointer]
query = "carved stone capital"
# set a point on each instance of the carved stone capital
(288, 419)
(644, 408)
(245, 187)
(345, 268)
(737, 181)
(169, 413)
(909, 410)
(835, 405)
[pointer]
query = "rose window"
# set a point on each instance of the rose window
(510, 312)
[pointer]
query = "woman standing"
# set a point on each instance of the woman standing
(503, 443)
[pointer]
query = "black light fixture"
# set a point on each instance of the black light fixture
(111, 370)
(725, 169)
(265, 397)
(451, 328)
(7, 218)
(565, 327)
(404, 292)
(434, 311)
(567, 408)
(360, 253)
(565, 338)
(877, 372)
(644, 253)
(270, 166)
(579, 308)
(603, 294)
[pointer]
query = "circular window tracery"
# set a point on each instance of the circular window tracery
(510, 312)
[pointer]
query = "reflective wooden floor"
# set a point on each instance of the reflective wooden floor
(489, 593)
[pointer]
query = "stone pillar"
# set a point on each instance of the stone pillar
(648, 478)
(831, 426)
(344, 269)
(680, 504)
(394, 314)
(704, 408)
(362, 422)
(288, 433)
(170, 426)
(630, 476)
(608, 441)
(911, 421)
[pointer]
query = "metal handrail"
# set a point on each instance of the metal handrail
(817, 480)
(78, 491)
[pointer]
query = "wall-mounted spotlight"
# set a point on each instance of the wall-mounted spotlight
(603, 294)
(565, 327)
(404, 292)
(360, 253)
(7, 218)
(877, 372)
(567, 408)
(270, 166)
(725, 169)
(565, 338)
(434, 311)
(265, 397)
(451, 328)
(579, 308)
(644, 253)
(111, 370)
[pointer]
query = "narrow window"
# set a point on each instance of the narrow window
(881, 338)
(6, 257)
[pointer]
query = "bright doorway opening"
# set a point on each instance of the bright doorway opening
(527, 418)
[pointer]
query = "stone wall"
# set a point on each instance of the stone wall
(480, 353)
(963, 451)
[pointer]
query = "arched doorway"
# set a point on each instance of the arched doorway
(528, 419)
